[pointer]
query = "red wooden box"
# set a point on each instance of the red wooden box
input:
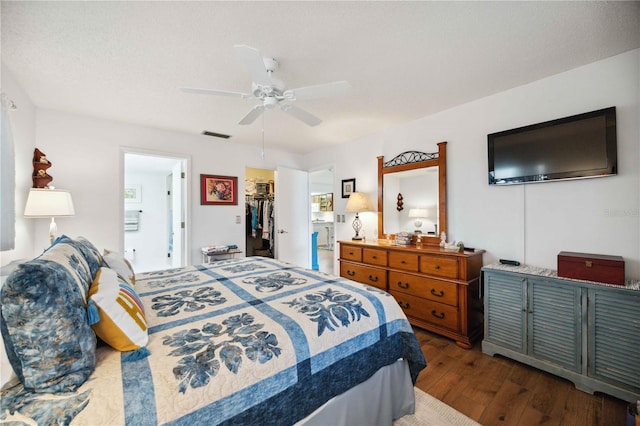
(591, 267)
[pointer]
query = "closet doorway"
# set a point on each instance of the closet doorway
(155, 210)
(259, 212)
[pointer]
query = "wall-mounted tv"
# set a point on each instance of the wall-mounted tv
(580, 146)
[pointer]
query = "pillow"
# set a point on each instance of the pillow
(8, 377)
(66, 252)
(91, 254)
(48, 340)
(119, 264)
(117, 315)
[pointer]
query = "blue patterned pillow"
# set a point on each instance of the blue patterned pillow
(67, 253)
(91, 254)
(49, 342)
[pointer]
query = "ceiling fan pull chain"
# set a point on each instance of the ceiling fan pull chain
(262, 153)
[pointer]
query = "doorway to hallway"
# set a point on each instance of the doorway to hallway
(155, 211)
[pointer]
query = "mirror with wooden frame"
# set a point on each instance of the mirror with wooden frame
(412, 194)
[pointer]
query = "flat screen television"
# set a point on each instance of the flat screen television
(580, 146)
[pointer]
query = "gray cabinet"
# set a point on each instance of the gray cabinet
(614, 328)
(586, 333)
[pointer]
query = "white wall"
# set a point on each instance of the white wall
(88, 160)
(23, 125)
(530, 223)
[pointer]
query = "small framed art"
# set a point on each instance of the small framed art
(132, 193)
(348, 186)
(218, 190)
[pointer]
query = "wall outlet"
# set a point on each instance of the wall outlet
(238, 219)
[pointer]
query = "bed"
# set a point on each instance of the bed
(241, 341)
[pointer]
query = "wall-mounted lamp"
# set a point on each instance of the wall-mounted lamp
(45, 202)
(358, 202)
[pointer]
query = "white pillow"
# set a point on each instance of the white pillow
(118, 263)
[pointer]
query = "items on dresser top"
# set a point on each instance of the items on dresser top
(438, 290)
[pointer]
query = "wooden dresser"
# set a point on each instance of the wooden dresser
(437, 290)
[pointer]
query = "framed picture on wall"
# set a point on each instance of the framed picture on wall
(218, 190)
(132, 194)
(348, 186)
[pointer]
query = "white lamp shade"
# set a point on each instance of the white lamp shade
(419, 213)
(43, 202)
(358, 202)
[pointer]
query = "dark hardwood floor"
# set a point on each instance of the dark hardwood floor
(500, 391)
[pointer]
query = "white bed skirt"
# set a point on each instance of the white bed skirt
(384, 397)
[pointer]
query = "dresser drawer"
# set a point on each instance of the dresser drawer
(439, 265)
(432, 312)
(374, 257)
(351, 253)
(436, 290)
(365, 274)
(406, 261)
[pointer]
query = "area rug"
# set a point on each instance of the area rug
(430, 411)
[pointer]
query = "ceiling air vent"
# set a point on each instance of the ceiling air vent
(215, 135)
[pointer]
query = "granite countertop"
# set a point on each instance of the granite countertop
(631, 283)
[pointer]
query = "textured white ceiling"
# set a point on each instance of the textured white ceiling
(404, 60)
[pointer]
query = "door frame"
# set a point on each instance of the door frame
(186, 193)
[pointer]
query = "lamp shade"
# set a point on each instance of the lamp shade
(358, 202)
(43, 202)
(418, 213)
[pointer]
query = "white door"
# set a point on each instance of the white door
(293, 224)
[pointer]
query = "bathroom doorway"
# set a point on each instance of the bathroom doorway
(322, 216)
(154, 211)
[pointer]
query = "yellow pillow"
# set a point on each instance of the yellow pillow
(116, 314)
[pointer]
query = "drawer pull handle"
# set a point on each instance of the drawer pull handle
(435, 314)
(350, 273)
(403, 285)
(404, 305)
(350, 253)
(437, 266)
(372, 278)
(441, 294)
(374, 257)
(403, 262)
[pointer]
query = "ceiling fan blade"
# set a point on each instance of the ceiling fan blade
(255, 112)
(319, 91)
(216, 92)
(254, 63)
(301, 115)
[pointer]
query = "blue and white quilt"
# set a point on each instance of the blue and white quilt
(246, 341)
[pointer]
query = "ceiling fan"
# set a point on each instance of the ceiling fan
(272, 92)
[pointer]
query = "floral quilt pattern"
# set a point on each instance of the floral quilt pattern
(236, 338)
(330, 309)
(190, 300)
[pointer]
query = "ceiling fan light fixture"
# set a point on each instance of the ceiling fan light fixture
(270, 102)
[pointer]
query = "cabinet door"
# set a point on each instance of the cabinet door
(505, 310)
(555, 326)
(614, 336)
